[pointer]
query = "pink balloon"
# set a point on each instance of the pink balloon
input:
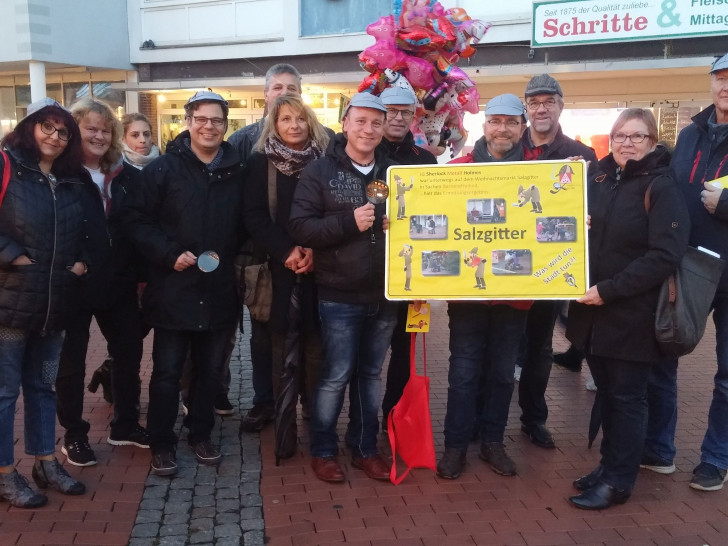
(383, 28)
(380, 56)
(418, 72)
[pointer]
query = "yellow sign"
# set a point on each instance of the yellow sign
(418, 320)
(473, 231)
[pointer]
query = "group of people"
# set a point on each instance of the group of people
(92, 210)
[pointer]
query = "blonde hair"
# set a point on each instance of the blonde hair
(128, 119)
(316, 131)
(84, 106)
(642, 114)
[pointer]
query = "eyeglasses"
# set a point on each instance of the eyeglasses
(635, 138)
(510, 123)
(48, 128)
(407, 115)
(549, 104)
(201, 121)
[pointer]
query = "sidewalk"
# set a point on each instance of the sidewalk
(222, 506)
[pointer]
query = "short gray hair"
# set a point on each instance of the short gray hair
(282, 68)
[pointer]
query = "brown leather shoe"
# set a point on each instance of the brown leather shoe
(375, 467)
(327, 469)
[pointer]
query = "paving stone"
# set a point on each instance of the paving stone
(228, 541)
(251, 513)
(177, 529)
(254, 538)
(230, 517)
(201, 536)
(203, 512)
(156, 492)
(172, 541)
(173, 519)
(203, 500)
(228, 505)
(253, 524)
(174, 507)
(145, 530)
(148, 516)
(202, 524)
(227, 493)
(152, 504)
(202, 490)
(142, 542)
(251, 500)
(228, 530)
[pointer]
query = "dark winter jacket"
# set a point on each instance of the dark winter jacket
(631, 252)
(349, 264)
(561, 148)
(114, 265)
(407, 152)
(45, 223)
(273, 238)
(182, 206)
(701, 155)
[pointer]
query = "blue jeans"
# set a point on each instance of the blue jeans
(715, 443)
(30, 359)
(662, 409)
(484, 340)
(207, 351)
(355, 340)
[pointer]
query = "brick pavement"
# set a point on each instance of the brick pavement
(225, 506)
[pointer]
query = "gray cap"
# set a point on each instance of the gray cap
(207, 96)
(398, 96)
(543, 84)
(720, 64)
(365, 100)
(45, 102)
(505, 105)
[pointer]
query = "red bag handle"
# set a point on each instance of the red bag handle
(6, 175)
(390, 421)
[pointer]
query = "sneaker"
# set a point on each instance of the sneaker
(656, 464)
(494, 453)
(451, 464)
(708, 477)
(79, 453)
(257, 417)
(517, 372)
(206, 453)
(185, 407)
(163, 463)
(223, 405)
(137, 437)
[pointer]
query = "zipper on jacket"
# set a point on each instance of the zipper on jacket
(53, 257)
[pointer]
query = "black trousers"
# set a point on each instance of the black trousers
(399, 361)
(207, 351)
(537, 361)
(122, 327)
(622, 391)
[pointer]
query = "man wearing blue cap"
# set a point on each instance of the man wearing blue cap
(700, 159)
(331, 215)
(485, 336)
(188, 211)
(400, 144)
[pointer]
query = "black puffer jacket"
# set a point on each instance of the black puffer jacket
(46, 224)
(114, 265)
(407, 152)
(630, 253)
(348, 263)
(182, 206)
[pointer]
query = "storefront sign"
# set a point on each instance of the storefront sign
(571, 22)
(487, 231)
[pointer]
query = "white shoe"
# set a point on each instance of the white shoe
(517, 373)
(590, 385)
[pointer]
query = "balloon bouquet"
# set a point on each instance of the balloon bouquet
(417, 47)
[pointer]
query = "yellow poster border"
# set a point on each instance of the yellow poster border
(486, 242)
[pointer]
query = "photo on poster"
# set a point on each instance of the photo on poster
(428, 226)
(440, 263)
(486, 211)
(511, 262)
(556, 229)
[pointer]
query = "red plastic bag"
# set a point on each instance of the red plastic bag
(409, 423)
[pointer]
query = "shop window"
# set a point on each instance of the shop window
(8, 116)
(321, 17)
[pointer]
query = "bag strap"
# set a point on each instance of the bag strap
(390, 420)
(671, 283)
(272, 190)
(6, 175)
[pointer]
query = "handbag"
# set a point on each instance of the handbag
(685, 300)
(409, 423)
(258, 293)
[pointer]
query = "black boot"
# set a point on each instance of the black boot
(52, 474)
(102, 376)
(590, 480)
(14, 489)
(571, 359)
(599, 497)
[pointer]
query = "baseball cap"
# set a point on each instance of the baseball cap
(543, 84)
(720, 64)
(365, 100)
(397, 96)
(45, 102)
(208, 96)
(505, 105)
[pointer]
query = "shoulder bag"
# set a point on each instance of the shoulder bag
(6, 175)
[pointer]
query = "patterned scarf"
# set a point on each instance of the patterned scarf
(291, 162)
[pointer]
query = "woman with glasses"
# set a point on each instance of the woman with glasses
(138, 147)
(291, 138)
(639, 232)
(41, 222)
(109, 292)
